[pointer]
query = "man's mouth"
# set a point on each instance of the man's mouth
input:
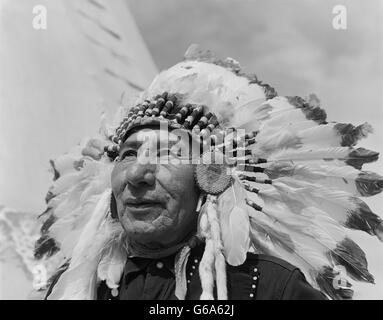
(142, 206)
(139, 202)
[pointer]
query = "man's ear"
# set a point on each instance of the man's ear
(113, 207)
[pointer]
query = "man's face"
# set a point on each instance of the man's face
(155, 202)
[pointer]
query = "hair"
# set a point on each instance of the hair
(113, 206)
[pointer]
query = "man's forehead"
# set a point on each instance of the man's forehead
(145, 135)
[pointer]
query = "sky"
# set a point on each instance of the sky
(290, 44)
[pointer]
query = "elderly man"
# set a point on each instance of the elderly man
(179, 205)
(157, 206)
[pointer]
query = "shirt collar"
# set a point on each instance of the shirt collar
(136, 264)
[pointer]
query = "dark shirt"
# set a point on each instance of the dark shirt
(261, 277)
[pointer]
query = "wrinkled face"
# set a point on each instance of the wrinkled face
(156, 202)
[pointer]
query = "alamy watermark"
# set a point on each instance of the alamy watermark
(339, 21)
(178, 146)
(40, 17)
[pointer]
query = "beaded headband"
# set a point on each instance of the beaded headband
(165, 107)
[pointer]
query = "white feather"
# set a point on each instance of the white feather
(234, 220)
(113, 260)
(78, 282)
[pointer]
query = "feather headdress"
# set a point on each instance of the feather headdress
(290, 184)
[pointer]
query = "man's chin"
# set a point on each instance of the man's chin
(143, 229)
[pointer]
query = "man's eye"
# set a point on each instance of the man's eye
(128, 154)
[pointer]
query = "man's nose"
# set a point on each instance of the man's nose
(141, 175)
